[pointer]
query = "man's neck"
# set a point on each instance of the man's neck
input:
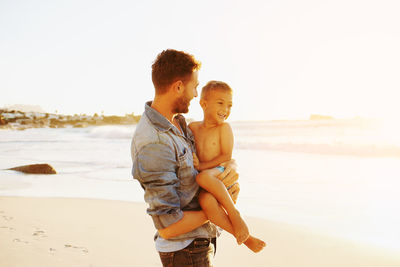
(164, 108)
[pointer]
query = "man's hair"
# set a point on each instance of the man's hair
(171, 66)
(213, 86)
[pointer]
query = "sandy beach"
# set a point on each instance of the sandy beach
(87, 232)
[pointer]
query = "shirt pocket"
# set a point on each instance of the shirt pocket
(186, 172)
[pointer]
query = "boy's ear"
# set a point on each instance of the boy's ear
(203, 103)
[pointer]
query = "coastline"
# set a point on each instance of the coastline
(94, 232)
(19, 120)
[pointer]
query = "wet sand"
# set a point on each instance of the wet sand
(87, 232)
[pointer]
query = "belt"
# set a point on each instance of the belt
(202, 242)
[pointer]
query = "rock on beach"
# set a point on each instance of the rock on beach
(35, 169)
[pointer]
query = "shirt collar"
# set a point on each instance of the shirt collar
(160, 122)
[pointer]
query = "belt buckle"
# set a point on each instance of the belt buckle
(201, 242)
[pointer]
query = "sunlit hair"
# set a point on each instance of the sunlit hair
(213, 86)
(171, 66)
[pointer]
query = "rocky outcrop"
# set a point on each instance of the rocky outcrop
(35, 169)
(20, 120)
(2, 121)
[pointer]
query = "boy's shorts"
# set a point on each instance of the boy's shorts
(220, 168)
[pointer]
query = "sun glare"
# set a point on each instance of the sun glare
(389, 131)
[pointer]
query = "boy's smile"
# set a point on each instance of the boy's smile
(217, 106)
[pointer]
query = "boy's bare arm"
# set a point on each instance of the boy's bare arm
(226, 143)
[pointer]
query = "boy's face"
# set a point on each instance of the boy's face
(217, 106)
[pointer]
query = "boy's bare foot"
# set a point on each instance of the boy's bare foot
(255, 244)
(239, 227)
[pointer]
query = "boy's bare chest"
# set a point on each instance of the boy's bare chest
(208, 144)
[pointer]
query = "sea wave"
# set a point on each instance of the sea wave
(112, 132)
(326, 137)
(359, 150)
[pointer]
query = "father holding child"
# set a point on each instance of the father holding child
(162, 154)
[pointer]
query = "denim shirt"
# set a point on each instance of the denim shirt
(163, 165)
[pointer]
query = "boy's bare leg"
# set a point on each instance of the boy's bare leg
(216, 214)
(208, 181)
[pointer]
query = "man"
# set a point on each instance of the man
(162, 155)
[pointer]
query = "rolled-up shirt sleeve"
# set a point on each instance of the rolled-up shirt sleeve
(155, 167)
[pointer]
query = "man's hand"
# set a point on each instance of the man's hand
(229, 176)
(234, 192)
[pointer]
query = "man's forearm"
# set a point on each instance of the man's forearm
(190, 221)
(214, 162)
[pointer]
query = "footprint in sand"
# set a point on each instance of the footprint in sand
(7, 218)
(6, 227)
(39, 233)
(20, 241)
(83, 249)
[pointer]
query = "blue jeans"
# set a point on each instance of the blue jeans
(198, 254)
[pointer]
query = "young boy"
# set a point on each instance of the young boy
(214, 144)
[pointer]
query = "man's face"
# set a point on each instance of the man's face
(182, 103)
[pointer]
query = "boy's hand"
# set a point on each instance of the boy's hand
(196, 161)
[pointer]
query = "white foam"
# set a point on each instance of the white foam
(112, 132)
(359, 150)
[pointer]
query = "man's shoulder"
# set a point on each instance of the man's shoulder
(144, 129)
(146, 133)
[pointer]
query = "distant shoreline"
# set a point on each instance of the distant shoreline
(18, 120)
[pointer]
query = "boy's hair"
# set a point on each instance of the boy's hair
(212, 86)
(171, 66)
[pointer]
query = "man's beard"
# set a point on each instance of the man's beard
(181, 105)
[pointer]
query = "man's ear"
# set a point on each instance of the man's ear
(178, 87)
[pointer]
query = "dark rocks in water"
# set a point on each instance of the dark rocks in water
(35, 168)
(2, 121)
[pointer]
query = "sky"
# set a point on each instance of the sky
(284, 59)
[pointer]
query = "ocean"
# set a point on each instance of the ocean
(339, 177)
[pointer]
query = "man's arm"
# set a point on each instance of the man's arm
(154, 167)
(190, 221)
(226, 142)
